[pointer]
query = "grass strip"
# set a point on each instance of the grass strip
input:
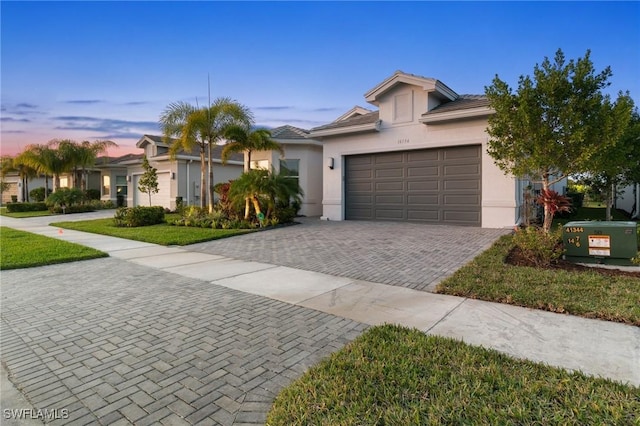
(19, 249)
(19, 215)
(396, 376)
(587, 294)
(163, 234)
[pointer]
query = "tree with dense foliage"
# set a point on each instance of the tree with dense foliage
(243, 139)
(81, 155)
(556, 123)
(148, 182)
(185, 127)
(47, 160)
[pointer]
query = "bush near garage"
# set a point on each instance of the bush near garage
(25, 207)
(138, 216)
(38, 194)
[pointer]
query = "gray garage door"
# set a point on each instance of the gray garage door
(433, 185)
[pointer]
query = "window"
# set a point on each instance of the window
(291, 169)
(121, 186)
(106, 185)
(260, 164)
(64, 182)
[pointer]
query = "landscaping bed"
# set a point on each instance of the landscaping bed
(392, 375)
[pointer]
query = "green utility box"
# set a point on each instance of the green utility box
(613, 243)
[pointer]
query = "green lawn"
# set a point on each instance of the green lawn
(163, 234)
(3, 212)
(586, 294)
(395, 376)
(20, 249)
(590, 213)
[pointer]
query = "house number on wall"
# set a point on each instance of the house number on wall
(403, 141)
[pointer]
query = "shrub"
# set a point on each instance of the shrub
(92, 194)
(65, 197)
(101, 205)
(543, 248)
(139, 216)
(26, 207)
(38, 194)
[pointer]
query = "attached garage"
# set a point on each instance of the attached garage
(162, 198)
(428, 185)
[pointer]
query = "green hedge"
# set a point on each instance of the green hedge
(139, 216)
(26, 207)
(76, 208)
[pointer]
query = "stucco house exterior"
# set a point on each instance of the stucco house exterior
(303, 160)
(179, 177)
(421, 156)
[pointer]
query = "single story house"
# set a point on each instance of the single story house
(179, 177)
(20, 188)
(421, 156)
(303, 161)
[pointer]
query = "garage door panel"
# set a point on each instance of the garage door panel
(461, 184)
(427, 185)
(366, 186)
(391, 214)
(423, 171)
(467, 200)
(360, 213)
(464, 169)
(387, 173)
(393, 199)
(361, 174)
(460, 217)
(441, 185)
(424, 215)
(429, 156)
(462, 152)
(388, 157)
(390, 186)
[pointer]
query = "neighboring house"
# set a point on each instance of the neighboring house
(303, 161)
(179, 177)
(21, 188)
(422, 156)
(629, 200)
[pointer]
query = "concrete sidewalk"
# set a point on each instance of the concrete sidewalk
(598, 348)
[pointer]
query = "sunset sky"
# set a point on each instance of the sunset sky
(106, 70)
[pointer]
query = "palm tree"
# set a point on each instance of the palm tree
(46, 160)
(23, 168)
(282, 191)
(86, 156)
(203, 127)
(248, 187)
(242, 139)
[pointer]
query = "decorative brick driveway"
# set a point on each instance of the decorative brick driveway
(117, 343)
(410, 255)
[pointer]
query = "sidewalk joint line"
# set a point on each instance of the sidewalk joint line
(447, 315)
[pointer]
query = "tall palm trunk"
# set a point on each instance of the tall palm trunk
(203, 177)
(210, 165)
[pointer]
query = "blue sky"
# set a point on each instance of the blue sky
(107, 70)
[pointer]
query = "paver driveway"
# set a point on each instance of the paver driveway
(115, 343)
(411, 255)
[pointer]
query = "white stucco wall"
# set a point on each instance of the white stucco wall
(310, 156)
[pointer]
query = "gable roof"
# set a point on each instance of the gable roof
(428, 85)
(356, 124)
(288, 132)
(466, 106)
(353, 112)
(216, 151)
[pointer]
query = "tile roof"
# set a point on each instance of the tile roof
(371, 117)
(288, 132)
(463, 102)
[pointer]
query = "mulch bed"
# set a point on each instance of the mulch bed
(517, 258)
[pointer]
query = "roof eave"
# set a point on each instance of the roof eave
(456, 115)
(361, 128)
